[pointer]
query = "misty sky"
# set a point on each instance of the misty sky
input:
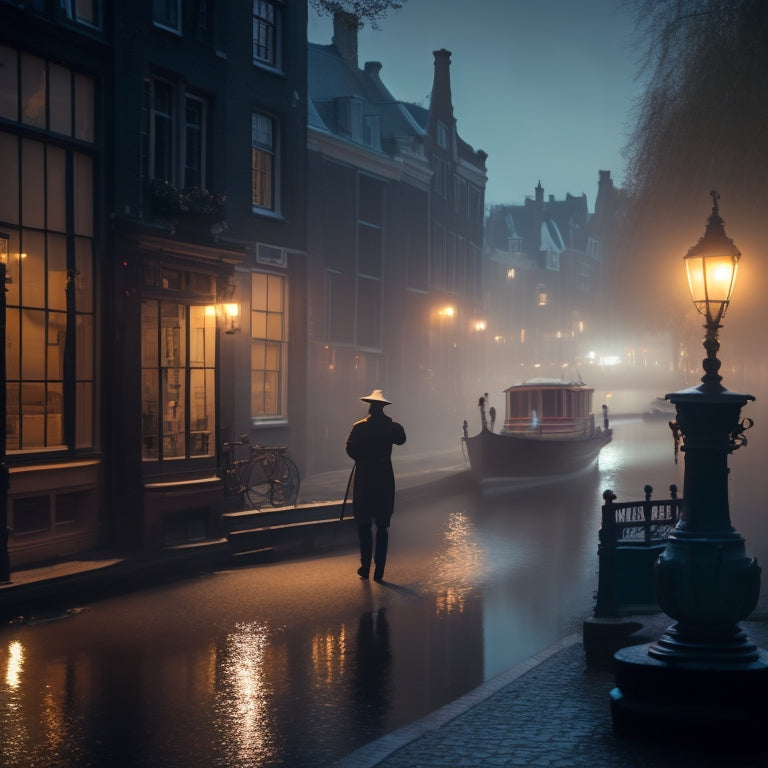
(545, 87)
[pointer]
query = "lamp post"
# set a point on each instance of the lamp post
(5, 565)
(703, 673)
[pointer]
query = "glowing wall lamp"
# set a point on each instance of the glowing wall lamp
(231, 314)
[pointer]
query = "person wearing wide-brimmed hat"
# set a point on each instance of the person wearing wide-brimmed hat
(373, 493)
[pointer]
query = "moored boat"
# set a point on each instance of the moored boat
(548, 433)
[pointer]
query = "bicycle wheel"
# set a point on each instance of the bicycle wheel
(258, 490)
(285, 483)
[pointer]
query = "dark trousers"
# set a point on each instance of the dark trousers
(365, 536)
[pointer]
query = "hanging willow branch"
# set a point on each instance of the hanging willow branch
(372, 11)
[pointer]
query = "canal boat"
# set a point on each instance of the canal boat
(549, 433)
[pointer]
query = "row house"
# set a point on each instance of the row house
(543, 277)
(155, 161)
(395, 237)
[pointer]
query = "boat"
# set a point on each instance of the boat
(548, 434)
(658, 409)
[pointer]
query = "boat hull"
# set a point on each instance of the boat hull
(517, 457)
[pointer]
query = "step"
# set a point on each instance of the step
(245, 519)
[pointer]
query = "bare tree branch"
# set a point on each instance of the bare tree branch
(372, 11)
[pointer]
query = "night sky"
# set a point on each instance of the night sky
(545, 87)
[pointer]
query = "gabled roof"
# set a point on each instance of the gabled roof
(331, 77)
(541, 225)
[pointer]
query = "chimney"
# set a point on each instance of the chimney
(345, 26)
(372, 69)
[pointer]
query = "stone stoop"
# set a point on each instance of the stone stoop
(264, 534)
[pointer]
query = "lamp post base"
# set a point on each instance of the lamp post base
(720, 704)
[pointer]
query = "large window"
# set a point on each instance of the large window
(174, 150)
(178, 363)
(269, 341)
(266, 39)
(47, 209)
(263, 162)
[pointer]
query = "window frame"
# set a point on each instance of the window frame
(280, 414)
(271, 151)
(162, 23)
(273, 58)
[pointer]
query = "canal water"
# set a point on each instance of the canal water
(299, 663)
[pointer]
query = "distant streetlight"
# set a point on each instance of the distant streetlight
(5, 565)
(703, 677)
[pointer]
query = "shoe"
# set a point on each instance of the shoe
(378, 577)
(362, 573)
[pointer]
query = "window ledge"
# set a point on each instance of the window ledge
(267, 214)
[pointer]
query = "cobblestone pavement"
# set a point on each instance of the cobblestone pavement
(549, 711)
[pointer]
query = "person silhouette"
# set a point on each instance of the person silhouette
(373, 492)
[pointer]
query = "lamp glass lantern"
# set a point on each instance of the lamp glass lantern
(711, 266)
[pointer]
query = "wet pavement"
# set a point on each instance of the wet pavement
(550, 710)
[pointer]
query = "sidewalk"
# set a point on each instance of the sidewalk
(549, 710)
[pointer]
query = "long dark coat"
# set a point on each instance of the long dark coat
(370, 445)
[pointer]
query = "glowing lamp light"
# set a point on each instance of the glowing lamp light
(446, 311)
(711, 265)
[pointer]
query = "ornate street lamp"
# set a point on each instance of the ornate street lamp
(703, 672)
(5, 566)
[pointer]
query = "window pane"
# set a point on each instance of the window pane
(13, 344)
(84, 108)
(57, 272)
(259, 291)
(32, 269)
(172, 334)
(174, 422)
(60, 99)
(259, 325)
(275, 293)
(201, 412)
(57, 324)
(33, 331)
(162, 131)
(54, 420)
(193, 165)
(56, 189)
(83, 275)
(84, 362)
(13, 417)
(9, 162)
(33, 89)
(274, 326)
(202, 337)
(33, 177)
(87, 11)
(166, 12)
(83, 190)
(9, 92)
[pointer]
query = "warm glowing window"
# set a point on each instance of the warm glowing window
(47, 210)
(263, 162)
(269, 345)
(178, 390)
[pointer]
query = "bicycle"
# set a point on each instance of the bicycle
(268, 477)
